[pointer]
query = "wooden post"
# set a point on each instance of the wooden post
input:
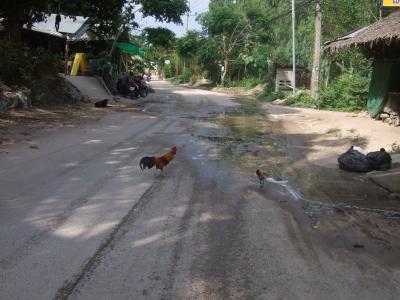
(317, 50)
(66, 58)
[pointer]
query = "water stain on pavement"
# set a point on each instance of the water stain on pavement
(334, 201)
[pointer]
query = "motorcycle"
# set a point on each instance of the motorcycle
(138, 88)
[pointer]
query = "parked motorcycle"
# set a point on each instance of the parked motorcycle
(138, 88)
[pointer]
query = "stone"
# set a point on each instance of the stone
(384, 116)
(388, 121)
(397, 122)
(14, 98)
(279, 102)
(387, 110)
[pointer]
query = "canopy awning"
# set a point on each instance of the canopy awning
(130, 48)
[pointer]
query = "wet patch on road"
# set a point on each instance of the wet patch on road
(246, 138)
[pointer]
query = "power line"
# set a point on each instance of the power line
(288, 12)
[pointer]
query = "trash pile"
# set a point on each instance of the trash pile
(354, 160)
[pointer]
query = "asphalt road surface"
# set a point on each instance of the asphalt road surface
(80, 220)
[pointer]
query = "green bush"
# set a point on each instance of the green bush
(302, 99)
(19, 65)
(169, 70)
(348, 92)
(247, 83)
(185, 76)
(270, 95)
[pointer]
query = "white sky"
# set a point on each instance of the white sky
(196, 7)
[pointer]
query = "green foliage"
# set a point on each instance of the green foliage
(163, 11)
(301, 99)
(36, 69)
(20, 65)
(161, 37)
(188, 45)
(169, 70)
(270, 95)
(348, 92)
(185, 76)
(247, 83)
(104, 62)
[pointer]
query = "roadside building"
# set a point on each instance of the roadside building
(284, 77)
(381, 42)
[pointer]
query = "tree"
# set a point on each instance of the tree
(228, 28)
(159, 42)
(188, 46)
(161, 37)
(107, 16)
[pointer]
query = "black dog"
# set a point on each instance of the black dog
(102, 103)
(147, 162)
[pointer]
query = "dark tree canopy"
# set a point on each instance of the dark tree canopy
(164, 10)
(159, 36)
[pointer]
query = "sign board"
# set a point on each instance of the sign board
(391, 3)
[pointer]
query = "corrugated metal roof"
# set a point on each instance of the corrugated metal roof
(53, 33)
(68, 25)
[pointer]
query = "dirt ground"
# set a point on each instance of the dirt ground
(327, 134)
(20, 125)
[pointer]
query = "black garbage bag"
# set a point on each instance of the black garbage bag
(354, 161)
(380, 160)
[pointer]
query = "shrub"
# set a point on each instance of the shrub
(348, 92)
(301, 99)
(169, 70)
(247, 83)
(270, 95)
(185, 76)
(19, 65)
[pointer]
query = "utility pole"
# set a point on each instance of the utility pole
(294, 47)
(317, 50)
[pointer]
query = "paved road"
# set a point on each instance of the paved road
(80, 220)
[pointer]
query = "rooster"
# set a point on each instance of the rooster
(261, 177)
(160, 162)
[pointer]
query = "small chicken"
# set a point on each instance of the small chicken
(160, 162)
(261, 177)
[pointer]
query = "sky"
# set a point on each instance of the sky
(196, 7)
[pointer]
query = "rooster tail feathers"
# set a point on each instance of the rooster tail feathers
(147, 162)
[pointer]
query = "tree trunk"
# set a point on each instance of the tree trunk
(225, 70)
(327, 74)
